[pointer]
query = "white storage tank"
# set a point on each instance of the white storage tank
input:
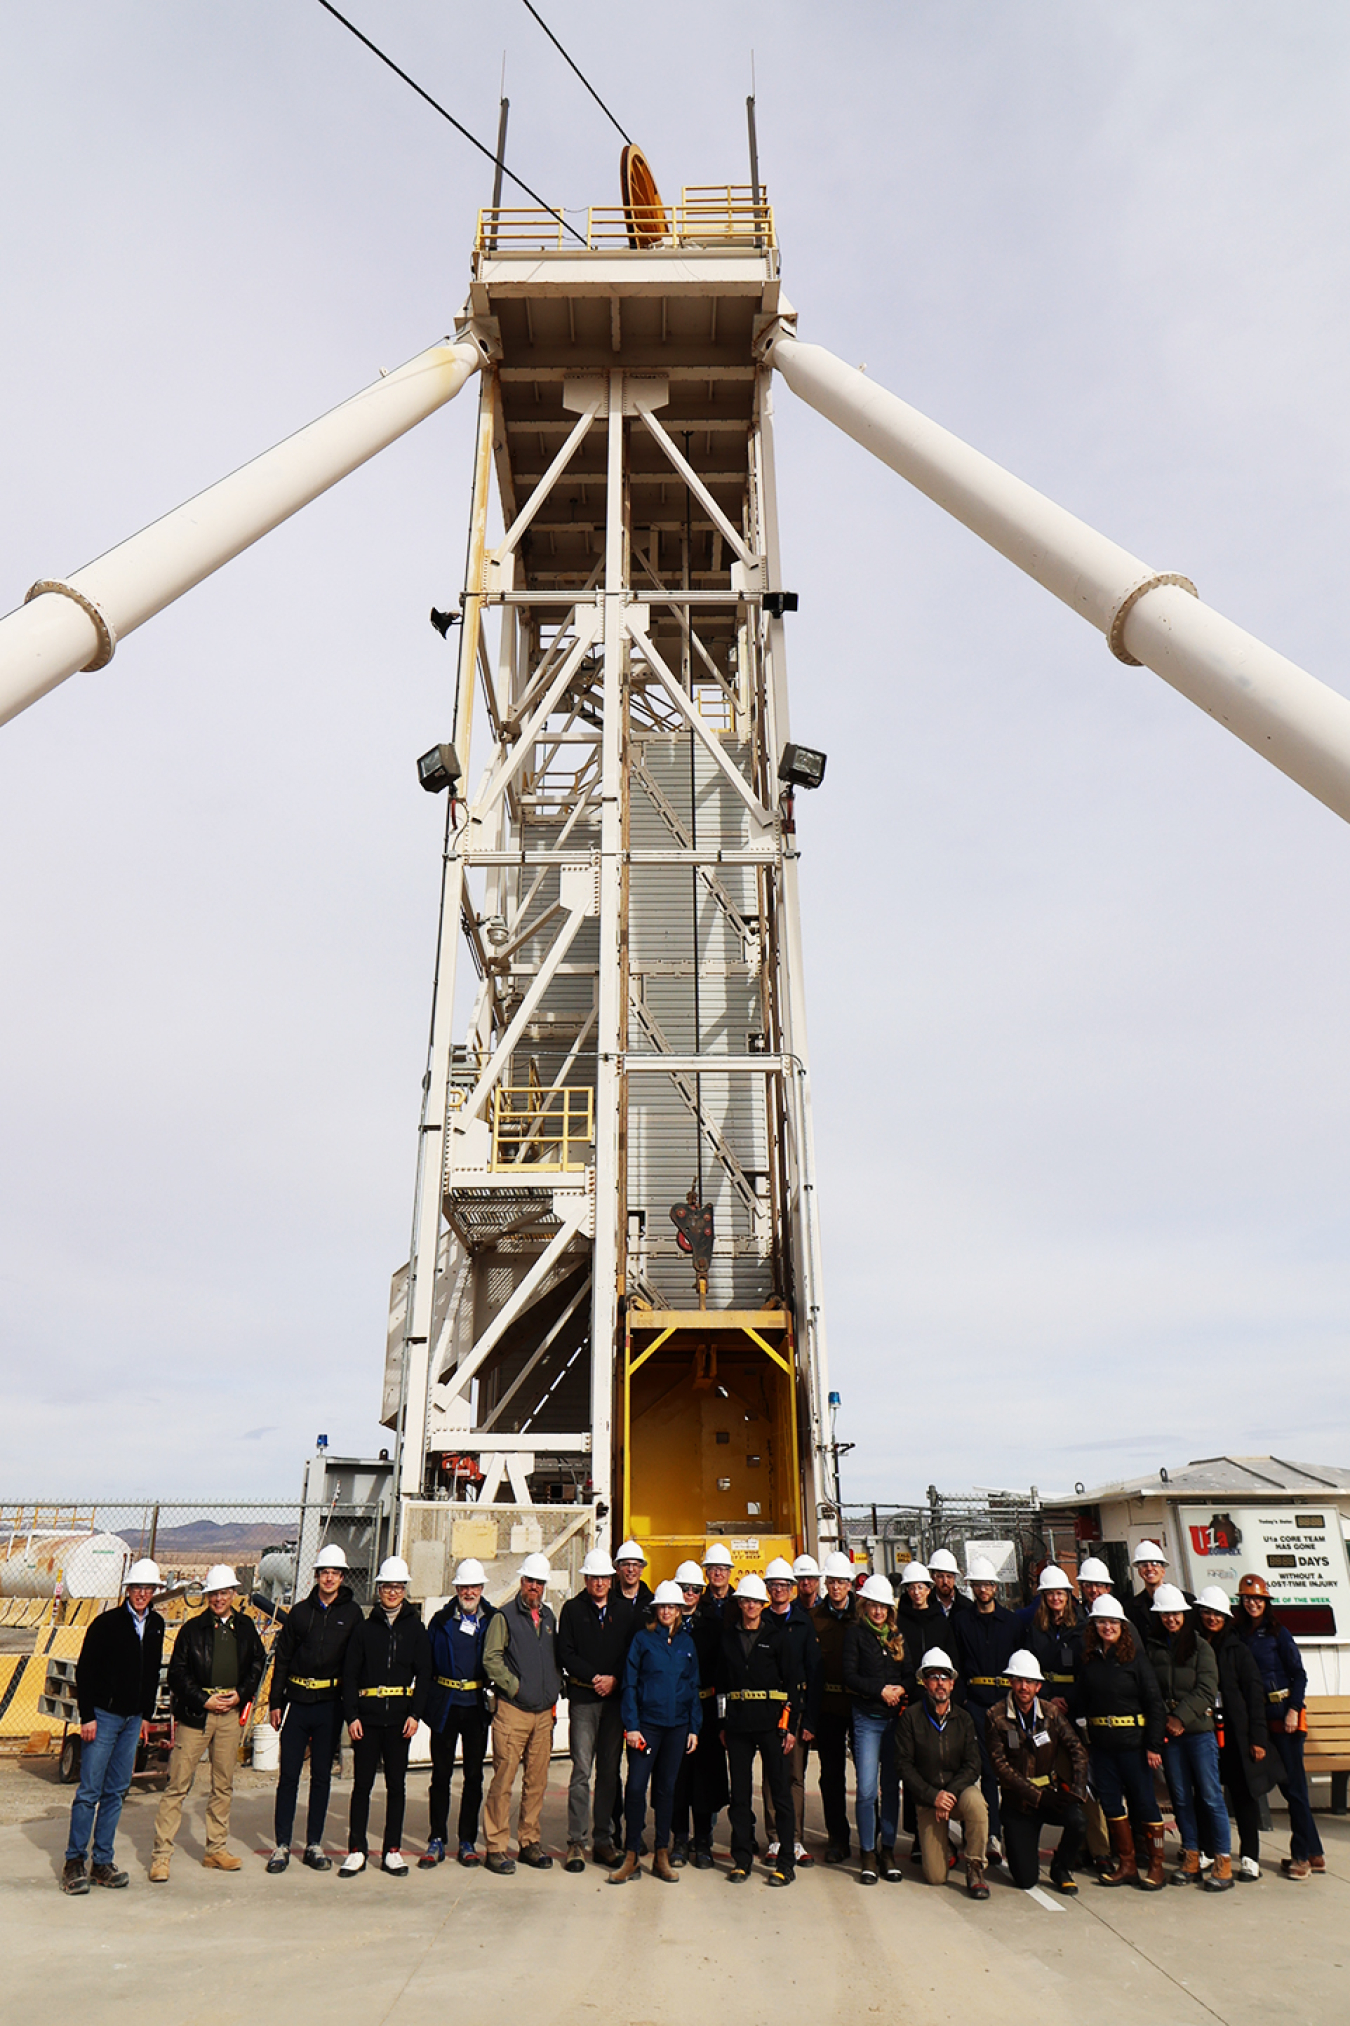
(85, 1565)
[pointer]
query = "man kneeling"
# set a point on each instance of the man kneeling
(1041, 1765)
(939, 1758)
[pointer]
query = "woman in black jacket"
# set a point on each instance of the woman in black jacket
(1240, 1712)
(877, 1674)
(385, 1676)
(1117, 1691)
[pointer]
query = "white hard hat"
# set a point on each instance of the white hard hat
(752, 1586)
(877, 1590)
(536, 1568)
(837, 1566)
(690, 1572)
(717, 1557)
(1168, 1598)
(597, 1563)
(330, 1557)
(469, 1573)
(914, 1572)
(936, 1661)
(979, 1569)
(1107, 1607)
(1214, 1599)
(1024, 1665)
(1052, 1579)
(220, 1577)
(144, 1571)
(1149, 1551)
(806, 1565)
(1093, 1571)
(393, 1570)
(778, 1571)
(629, 1552)
(668, 1593)
(945, 1560)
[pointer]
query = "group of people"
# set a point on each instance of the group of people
(953, 1707)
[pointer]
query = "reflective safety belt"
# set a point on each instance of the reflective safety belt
(757, 1695)
(386, 1691)
(303, 1681)
(444, 1681)
(1277, 1695)
(993, 1680)
(1119, 1722)
(706, 1694)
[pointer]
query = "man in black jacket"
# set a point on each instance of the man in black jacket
(796, 1623)
(217, 1663)
(594, 1630)
(116, 1685)
(307, 1692)
(385, 1678)
(757, 1676)
(832, 1618)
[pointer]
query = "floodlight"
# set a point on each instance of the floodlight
(801, 767)
(439, 769)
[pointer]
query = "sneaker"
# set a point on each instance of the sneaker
(771, 1854)
(74, 1878)
(1295, 1867)
(353, 1864)
(395, 1863)
(467, 1854)
(535, 1855)
(575, 1860)
(433, 1855)
(278, 1860)
(315, 1858)
(1248, 1870)
(499, 1863)
(801, 1855)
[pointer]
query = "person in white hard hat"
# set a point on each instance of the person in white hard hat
(878, 1673)
(1187, 1669)
(806, 1575)
(761, 1693)
(1116, 1691)
(457, 1713)
(717, 1567)
(304, 1703)
(1094, 1581)
(116, 1687)
(1052, 1629)
(385, 1680)
(983, 1637)
(629, 1563)
(921, 1625)
(1042, 1769)
(833, 1615)
(1150, 1566)
(661, 1718)
(594, 1632)
(796, 1625)
(520, 1659)
(1245, 1763)
(702, 1789)
(948, 1596)
(939, 1758)
(217, 1663)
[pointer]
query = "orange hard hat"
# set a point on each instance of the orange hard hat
(1253, 1586)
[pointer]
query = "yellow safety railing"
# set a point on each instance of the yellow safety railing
(546, 1129)
(713, 214)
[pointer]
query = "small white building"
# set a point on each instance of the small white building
(1223, 1517)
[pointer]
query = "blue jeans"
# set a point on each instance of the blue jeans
(106, 1767)
(1191, 1764)
(878, 1776)
(1123, 1784)
(660, 1763)
(1304, 1840)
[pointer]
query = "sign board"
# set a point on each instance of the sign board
(1003, 1555)
(1298, 1549)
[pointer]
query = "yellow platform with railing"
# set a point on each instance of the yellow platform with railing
(544, 1130)
(708, 215)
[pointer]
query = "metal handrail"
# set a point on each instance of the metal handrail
(542, 1129)
(706, 215)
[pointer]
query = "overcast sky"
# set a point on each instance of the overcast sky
(1080, 967)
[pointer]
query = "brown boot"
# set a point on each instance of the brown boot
(1221, 1877)
(1125, 1871)
(663, 1869)
(1155, 1878)
(975, 1885)
(628, 1869)
(159, 1868)
(1188, 1871)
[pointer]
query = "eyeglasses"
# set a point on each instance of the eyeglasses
(691, 1589)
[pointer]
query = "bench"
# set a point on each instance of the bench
(1327, 1749)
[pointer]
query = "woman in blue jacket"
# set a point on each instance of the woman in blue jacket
(661, 1715)
(1286, 1681)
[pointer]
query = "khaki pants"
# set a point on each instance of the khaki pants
(220, 1741)
(1098, 1839)
(517, 1734)
(972, 1812)
(796, 1766)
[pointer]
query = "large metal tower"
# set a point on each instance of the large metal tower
(619, 1028)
